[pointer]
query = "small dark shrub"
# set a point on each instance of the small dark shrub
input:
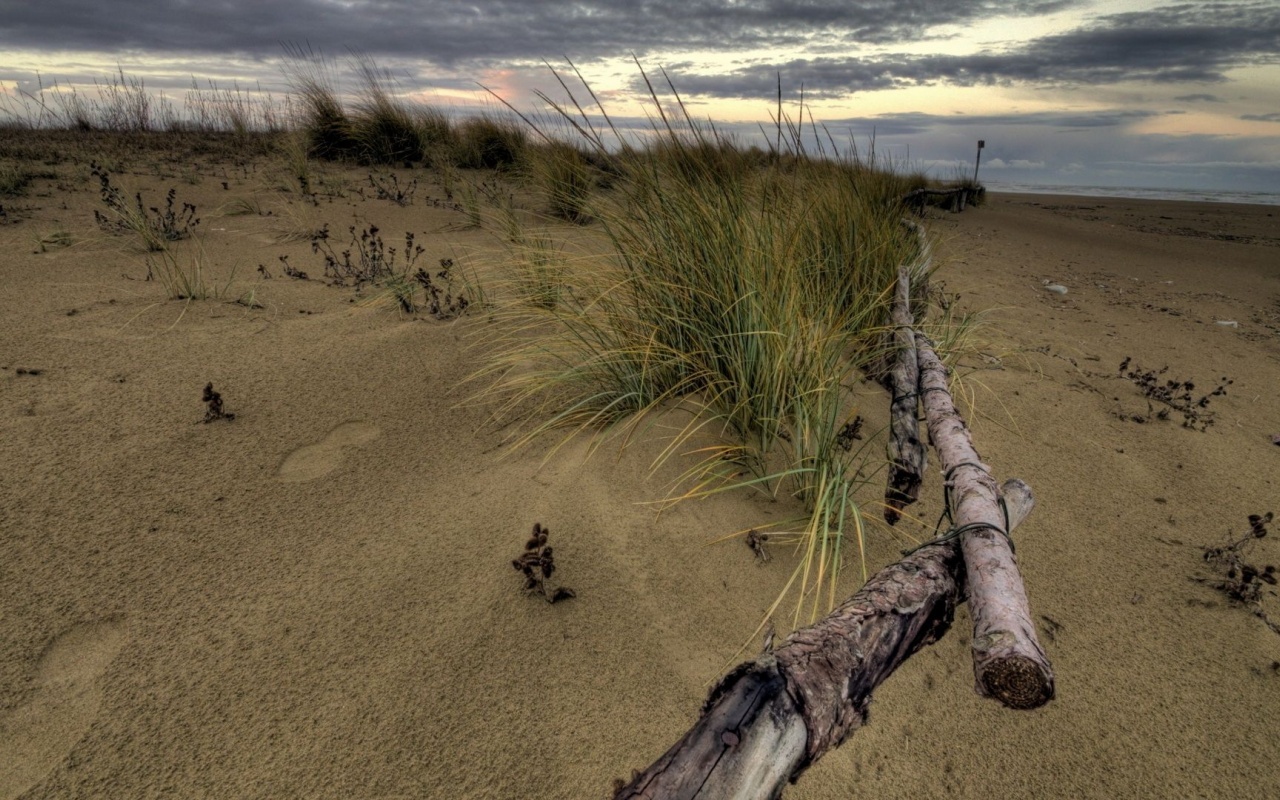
(213, 406)
(537, 564)
(1174, 395)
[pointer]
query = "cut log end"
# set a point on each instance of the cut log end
(1017, 682)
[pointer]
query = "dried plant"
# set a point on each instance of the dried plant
(367, 258)
(1243, 582)
(388, 187)
(1174, 395)
(441, 302)
(289, 269)
(213, 406)
(537, 564)
(847, 435)
(155, 227)
(756, 541)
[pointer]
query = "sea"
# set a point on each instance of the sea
(1140, 193)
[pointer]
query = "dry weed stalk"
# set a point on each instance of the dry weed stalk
(537, 564)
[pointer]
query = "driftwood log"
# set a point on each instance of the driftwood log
(907, 454)
(1008, 662)
(951, 199)
(769, 719)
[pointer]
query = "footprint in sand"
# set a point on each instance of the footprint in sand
(319, 459)
(38, 736)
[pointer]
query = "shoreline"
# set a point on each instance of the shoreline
(1226, 197)
(1179, 219)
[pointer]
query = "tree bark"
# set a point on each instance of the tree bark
(1008, 661)
(907, 454)
(769, 719)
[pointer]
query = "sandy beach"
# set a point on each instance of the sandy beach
(316, 599)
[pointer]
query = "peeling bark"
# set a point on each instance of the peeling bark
(1008, 661)
(769, 719)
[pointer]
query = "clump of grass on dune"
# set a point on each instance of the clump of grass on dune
(540, 270)
(565, 178)
(124, 105)
(235, 110)
(436, 134)
(380, 127)
(185, 276)
(14, 180)
(324, 123)
(750, 289)
(489, 142)
(385, 130)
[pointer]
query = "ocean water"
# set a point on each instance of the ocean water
(1141, 193)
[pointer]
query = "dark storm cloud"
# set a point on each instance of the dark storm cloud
(1199, 98)
(448, 32)
(1177, 44)
(1273, 117)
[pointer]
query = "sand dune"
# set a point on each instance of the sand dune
(315, 599)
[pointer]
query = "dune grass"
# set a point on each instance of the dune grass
(748, 287)
(184, 275)
(14, 180)
(321, 117)
(564, 177)
(121, 103)
(381, 127)
(489, 142)
(384, 129)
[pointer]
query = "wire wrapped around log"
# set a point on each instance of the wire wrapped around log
(770, 718)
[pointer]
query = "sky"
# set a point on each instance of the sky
(1064, 92)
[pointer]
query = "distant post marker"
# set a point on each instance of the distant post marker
(981, 144)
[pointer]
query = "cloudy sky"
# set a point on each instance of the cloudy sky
(1085, 92)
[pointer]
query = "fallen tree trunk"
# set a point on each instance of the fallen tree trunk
(1008, 662)
(770, 718)
(907, 454)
